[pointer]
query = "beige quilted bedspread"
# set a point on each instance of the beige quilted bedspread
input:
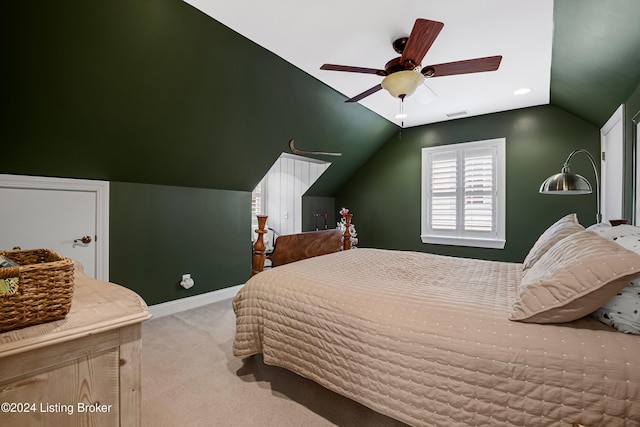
(426, 339)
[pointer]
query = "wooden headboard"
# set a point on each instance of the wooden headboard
(295, 247)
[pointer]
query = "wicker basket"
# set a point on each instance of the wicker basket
(45, 288)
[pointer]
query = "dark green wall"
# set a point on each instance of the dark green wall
(158, 233)
(384, 195)
(595, 57)
(154, 91)
(312, 204)
(182, 115)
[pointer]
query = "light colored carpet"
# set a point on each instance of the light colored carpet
(191, 378)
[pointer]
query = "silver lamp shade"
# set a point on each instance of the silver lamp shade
(566, 182)
(569, 183)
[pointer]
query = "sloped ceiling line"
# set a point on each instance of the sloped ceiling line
(357, 33)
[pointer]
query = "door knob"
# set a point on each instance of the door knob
(84, 239)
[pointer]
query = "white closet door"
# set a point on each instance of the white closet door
(56, 214)
(637, 195)
(612, 166)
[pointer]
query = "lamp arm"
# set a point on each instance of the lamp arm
(595, 172)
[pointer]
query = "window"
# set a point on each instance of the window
(257, 206)
(463, 194)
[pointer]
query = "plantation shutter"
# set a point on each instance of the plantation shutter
(462, 191)
(479, 189)
(257, 207)
(463, 197)
(444, 183)
(256, 201)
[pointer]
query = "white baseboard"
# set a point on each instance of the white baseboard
(176, 306)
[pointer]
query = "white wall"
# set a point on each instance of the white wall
(285, 183)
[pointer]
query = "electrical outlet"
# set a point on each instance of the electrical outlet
(187, 281)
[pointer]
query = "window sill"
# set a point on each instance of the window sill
(464, 241)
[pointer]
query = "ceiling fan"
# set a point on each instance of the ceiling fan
(404, 74)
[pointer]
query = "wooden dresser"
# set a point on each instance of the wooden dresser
(80, 371)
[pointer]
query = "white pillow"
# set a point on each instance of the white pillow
(599, 227)
(628, 241)
(622, 311)
(631, 242)
(614, 233)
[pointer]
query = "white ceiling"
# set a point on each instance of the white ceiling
(360, 33)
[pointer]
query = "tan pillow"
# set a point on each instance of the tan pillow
(574, 278)
(559, 230)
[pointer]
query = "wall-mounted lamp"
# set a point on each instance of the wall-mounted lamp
(568, 183)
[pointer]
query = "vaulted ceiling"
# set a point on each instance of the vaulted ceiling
(582, 55)
(596, 56)
(156, 91)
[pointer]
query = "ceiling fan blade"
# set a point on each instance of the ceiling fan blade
(334, 67)
(365, 94)
(478, 65)
(422, 36)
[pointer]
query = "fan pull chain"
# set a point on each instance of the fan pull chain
(401, 115)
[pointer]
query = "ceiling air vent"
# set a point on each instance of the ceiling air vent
(458, 114)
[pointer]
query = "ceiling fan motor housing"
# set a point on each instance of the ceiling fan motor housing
(403, 75)
(394, 66)
(399, 44)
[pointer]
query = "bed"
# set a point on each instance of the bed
(433, 340)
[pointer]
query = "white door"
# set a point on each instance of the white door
(67, 216)
(612, 166)
(637, 172)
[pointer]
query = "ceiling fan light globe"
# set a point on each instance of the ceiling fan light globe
(402, 83)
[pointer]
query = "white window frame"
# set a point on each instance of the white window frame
(459, 237)
(260, 189)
